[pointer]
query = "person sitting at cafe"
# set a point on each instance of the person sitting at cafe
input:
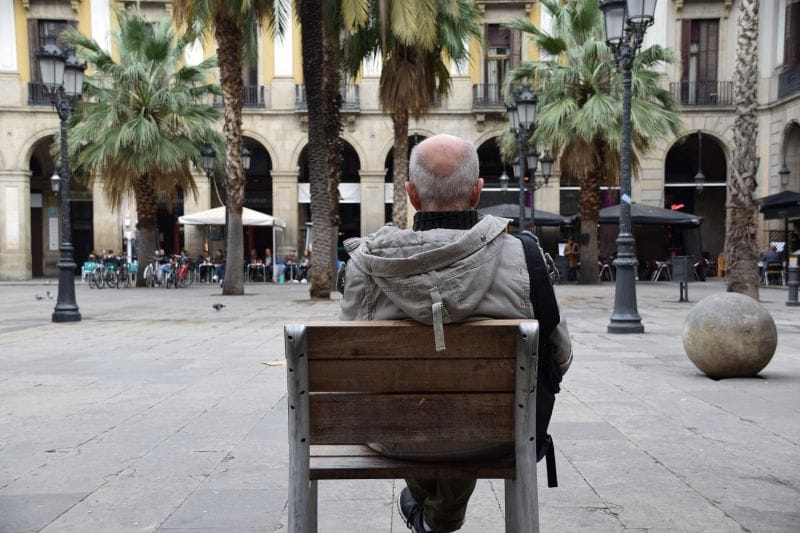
(219, 266)
(268, 262)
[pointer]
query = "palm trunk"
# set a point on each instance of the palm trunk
(400, 205)
(332, 97)
(146, 198)
(310, 15)
(590, 213)
(229, 52)
(741, 247)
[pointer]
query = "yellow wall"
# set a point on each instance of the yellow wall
(298, 52)
(475, 61)
(535, 16)
(268, 56)
(23, 52)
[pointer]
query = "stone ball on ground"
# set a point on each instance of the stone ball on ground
(729, 335)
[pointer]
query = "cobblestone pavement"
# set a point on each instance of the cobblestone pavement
(158, 413)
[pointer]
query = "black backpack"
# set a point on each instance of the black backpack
(548, 380)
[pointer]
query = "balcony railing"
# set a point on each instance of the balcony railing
(350, 97)
(488, 95)
(789, 81)
(37, 95)
(702, 93)
(252, 96)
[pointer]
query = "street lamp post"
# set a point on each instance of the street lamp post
(522, 120)
(626, 22)
(62, 77)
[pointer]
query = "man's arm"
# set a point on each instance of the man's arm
(352, 283)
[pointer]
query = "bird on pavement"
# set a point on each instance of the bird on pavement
(218, 306)
(38, 296)
(49, 296)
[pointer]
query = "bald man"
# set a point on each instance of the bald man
(452, 266)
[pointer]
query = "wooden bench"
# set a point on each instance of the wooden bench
(350, 383)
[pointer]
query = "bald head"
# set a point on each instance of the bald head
(443, 174)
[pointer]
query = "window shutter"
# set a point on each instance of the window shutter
(34, 43)
(686, 39)
(791, 40)
(515, 52)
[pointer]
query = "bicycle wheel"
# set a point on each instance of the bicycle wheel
(189, 276)
(91, 279)
(110, 279)
(98, 277)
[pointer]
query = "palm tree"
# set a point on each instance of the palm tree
(579, 91)
(235, 24)
(309, 14)
(741, 248)
(143, 120)
(417, 41)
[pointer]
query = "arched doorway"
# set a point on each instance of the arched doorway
(413, 140)
(697, 151)
(349, 196)
(46, 212)
(258, 196)
(491, 167)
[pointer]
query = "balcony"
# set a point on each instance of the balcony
(350, 97)
(37, 95)
(789, 81)
(702, 93)
(252, 97)
(488, 95)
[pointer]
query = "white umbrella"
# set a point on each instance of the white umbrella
(216, 217)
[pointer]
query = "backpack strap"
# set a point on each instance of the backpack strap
(545, 310)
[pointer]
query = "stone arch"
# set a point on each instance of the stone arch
(357, 148)
(682, 160)
(272, 152)
(790, 153)
(29, 145)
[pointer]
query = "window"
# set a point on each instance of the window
(791, 45)
(699, 57)
(38, 29)
(502, 55)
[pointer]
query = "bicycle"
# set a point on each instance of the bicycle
(185, 273)
(95, 277)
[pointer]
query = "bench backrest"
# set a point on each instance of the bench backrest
(384, 381)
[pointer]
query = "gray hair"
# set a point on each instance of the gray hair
(453, 189)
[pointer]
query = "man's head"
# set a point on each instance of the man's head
(443, 175)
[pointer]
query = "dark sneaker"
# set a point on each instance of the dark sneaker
(412, 511)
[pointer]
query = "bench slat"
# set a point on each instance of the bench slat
(336, 340)
(361, 462)
(458, 417)
(411, 375)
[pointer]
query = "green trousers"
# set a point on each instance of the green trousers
(445, 501)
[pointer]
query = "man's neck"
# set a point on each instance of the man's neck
(427, 220)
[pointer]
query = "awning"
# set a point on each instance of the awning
(781, 205)
(648, 214)
(541, 218)
(216, 217)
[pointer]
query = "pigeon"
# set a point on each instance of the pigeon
(38, 296)
(218, 306)
(49, 296)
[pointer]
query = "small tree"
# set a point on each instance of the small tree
(143, 120)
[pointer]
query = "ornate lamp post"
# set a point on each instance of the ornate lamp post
(626, 22)
(522, 120)
(62, 77)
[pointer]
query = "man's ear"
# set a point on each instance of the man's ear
(413, 196)
(475, 197)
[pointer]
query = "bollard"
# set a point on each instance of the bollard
(793, 282)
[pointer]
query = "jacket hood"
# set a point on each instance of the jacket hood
(417, 269)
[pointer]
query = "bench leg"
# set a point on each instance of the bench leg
(312, 507)
(511, 507)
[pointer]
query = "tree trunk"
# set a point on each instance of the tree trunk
(741, 247)
(590, 212)
(229, 53)
(332, 97)
(400, 205)
(310, 16)
(144, 193)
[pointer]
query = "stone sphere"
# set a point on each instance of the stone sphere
(729, 335)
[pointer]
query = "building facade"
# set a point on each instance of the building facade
(702, 33)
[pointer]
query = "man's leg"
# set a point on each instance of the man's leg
(445, 501)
